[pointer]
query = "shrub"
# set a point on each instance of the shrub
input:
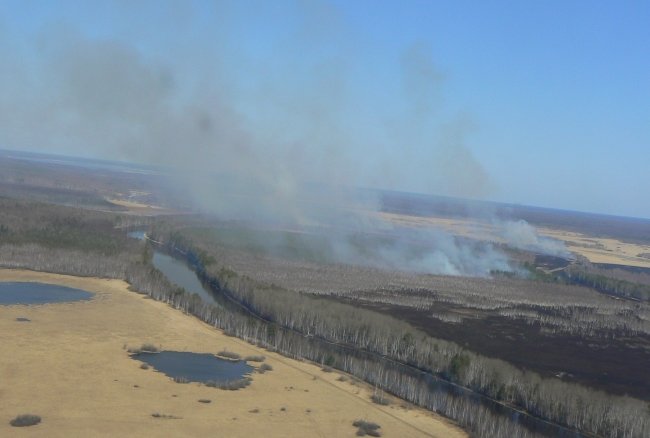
(144, 366)
(342, 378)
(165, 416)
(367, 428)
(229, 355)
(380, 399)
(149, 348)
(25, 420)
(255, 358)
(264, 368)
(144, 348)
(231, 385)
(327, 369)
(329, 360)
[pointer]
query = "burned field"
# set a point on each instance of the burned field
(568, 332)
(612, 363)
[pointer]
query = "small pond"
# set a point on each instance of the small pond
(195, 367)
(39, 293)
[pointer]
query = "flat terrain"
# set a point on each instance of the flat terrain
(69, 365)
(602, 249)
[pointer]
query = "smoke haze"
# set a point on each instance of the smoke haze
(521, 235)
(253, 138)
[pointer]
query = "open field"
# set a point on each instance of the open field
(69, 365)
(602, 249)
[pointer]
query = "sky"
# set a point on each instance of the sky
(538, 103)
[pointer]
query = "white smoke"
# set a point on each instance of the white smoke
(285, 149)
(521, 235)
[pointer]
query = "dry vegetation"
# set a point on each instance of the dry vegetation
(88, 385)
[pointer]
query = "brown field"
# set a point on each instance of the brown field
(69, 365)
(601, 249)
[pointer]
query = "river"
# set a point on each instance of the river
(181, 273)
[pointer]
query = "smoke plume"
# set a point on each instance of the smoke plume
(521, 235)
(275, 134)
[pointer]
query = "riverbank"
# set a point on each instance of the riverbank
(68, 365)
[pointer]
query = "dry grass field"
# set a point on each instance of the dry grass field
(601, 249)
(69, 365)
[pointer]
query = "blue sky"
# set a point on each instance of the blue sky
(542, 103)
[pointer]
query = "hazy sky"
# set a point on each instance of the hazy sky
(544, 103)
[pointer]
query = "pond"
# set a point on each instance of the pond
(39, 293)
(195, 367)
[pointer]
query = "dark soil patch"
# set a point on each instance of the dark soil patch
(618, 365)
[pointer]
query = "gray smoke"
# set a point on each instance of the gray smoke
(521, 235)
(285, 149)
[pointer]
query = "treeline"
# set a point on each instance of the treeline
(143, 278)
(483, 419)
(563, 403)
(608, 284)
(60, 227)
(585, 274)
(132, 263)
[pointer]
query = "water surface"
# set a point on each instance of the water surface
(39, 293)
(178, 273)
(195, 367)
